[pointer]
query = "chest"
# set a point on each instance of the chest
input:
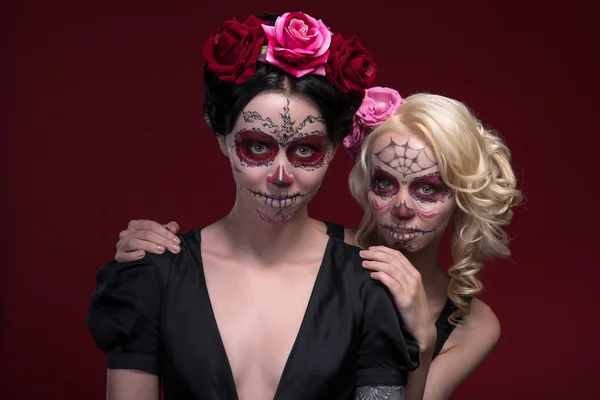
(259, 313)
(259, 336)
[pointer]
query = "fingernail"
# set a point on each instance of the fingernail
(176, 248)
(160, 249)
(176, 240)
(361, 253)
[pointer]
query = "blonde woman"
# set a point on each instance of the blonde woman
(423, 165)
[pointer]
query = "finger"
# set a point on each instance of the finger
(387, 269)
(377, 255)
(402, 300)
(153, 226)
(390, 251)
(123, 257)
(173, 227)
(402, 261)
(133, 244)
(390, 283)
(153, 238)
(394, 267)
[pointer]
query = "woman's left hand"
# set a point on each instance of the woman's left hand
(393, 269)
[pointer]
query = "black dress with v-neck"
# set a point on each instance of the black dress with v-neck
(155, 315)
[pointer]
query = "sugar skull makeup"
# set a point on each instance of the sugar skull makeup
(279, 153)
(410, 202)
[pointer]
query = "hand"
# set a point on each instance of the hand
(404, 282)
(143, 236)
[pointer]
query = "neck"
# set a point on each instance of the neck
(264, 241)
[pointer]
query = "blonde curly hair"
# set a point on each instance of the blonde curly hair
(475, 164)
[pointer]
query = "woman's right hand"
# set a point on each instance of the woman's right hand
(143, 236)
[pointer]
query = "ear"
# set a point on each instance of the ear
(223, 145)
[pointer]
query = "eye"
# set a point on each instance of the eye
(427, 189)
(258, 148)
(304, 151)
(384, 184)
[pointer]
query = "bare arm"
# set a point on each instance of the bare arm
(417, 379)
(129, 384)
(471, 344)
(379, 392)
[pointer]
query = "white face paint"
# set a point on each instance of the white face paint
(279, 153)
(410, 202)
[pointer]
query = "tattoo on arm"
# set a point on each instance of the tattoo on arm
(379, 392)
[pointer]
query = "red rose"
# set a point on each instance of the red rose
(232, 50)
(350, 67)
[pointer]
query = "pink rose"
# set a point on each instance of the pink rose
(354, 140)
(379, 104)
(298, 44)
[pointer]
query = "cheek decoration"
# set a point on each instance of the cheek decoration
(308, 152)
(383, 184)
(255, 149)
(383, 207)
(429, 188)
(230, 150)
(424, 214)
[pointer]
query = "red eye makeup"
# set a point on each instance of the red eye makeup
(383, 184)
(307, 152)
(255, 149)
(429, 188)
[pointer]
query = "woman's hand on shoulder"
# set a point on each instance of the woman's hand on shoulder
(143, 236)
(393, 269)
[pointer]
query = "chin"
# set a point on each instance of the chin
(277, 217)
(406, 247)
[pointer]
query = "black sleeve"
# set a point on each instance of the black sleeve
(387, 351)
(125, 313)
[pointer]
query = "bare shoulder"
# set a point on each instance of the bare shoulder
(479, 332)
(350, 236)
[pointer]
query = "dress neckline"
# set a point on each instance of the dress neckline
(308, 314)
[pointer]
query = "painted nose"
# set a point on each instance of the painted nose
(280, 178)
(403, 212)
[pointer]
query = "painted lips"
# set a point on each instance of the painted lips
(403, 233)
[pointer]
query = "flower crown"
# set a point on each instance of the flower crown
(297, 43)
(379, 104)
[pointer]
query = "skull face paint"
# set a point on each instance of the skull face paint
(279, 153)
(409, 200)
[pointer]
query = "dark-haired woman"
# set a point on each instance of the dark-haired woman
(261, 304)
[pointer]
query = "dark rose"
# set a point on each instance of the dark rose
(232, 50)
(350, 67)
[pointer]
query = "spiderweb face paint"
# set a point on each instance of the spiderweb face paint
(410, 202)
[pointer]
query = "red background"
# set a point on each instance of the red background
(102, 124)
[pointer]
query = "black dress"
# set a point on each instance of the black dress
(155, 315)
(443, 327)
